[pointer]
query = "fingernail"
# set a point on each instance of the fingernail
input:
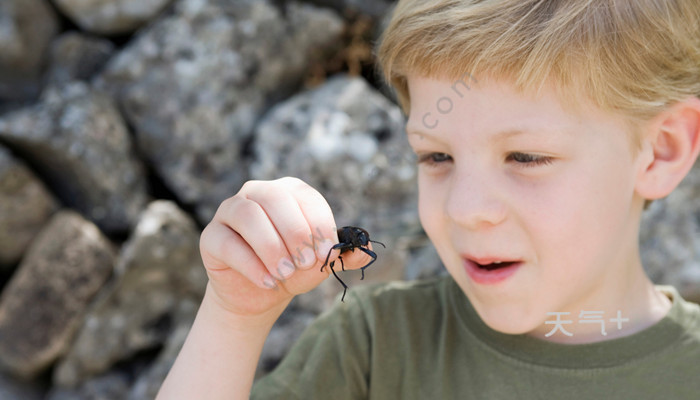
(324, 248)
(308, 258)
(285, 267)
(269, 282)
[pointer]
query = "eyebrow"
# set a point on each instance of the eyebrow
(496, 137)
(499, 136)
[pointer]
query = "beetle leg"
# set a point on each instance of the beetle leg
(337, 246)
(345, 287)
(371, 254)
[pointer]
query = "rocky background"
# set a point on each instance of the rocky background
(124, 124)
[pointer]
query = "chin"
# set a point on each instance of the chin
(510, 323)
(510, 328)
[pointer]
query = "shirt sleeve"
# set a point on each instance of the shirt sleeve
(329, 361)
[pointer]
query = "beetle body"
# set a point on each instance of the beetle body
(351, 238)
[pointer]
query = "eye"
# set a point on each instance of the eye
(529, 160)
(433, 159)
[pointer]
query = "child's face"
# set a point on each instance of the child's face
(571, 220)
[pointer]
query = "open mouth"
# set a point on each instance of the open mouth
(494, 266)
(492, 273)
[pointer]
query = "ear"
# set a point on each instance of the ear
(669, 150)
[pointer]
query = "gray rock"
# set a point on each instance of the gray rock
(111, 386)
(26, 28)
(670, 238)
(158, 266)
(150, 380)
(139, 380)
(373, 8)
(347, 140)
(25, 207)
(281, 338)
(111, 17)
(216, 66)
(424, 261)
(11, 389)
(77, 141)
(75, 56)
(45, 301)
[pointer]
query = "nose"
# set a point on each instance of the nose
(473, 202)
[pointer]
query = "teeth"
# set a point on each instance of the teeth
(497, 262)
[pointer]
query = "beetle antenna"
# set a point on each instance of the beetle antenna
(374, 241)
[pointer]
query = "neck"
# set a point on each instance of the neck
(627, 289)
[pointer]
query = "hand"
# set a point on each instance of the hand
(267, 243)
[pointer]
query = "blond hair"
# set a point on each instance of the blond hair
(634, 57)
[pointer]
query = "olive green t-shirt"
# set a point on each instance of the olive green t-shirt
(424, 340)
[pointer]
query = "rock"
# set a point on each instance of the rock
(157, 267)
(281, 338)
(27, 27)
(77, 141)
(111, 17)
(150, 380)
(373, 8)
(347, 141)
(140, 379)
(670, 238)
(216, 66)
(25, 207)
(424, 261)
(45, 301)
(11, 389)
(74, 56)
(110, 386)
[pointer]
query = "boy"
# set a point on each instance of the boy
(541, 129)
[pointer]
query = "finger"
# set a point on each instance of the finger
(248, 264)
(319, 216)
(356, 259)
(304, 280)
(290, 222)
(223, 248)
(248, 219)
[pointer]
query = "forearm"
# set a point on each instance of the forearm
(219, 357)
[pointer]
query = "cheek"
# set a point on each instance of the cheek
(430, 206)
(582, 216)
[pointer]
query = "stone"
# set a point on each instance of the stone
(27, 28)
(12, 389)
(347, 141)
(424, 261)
(150, 380)
(158, 266)
(216, 66)
(74, 56)
(76, 140)
(670, 238)
(373, 8)
(137, 379)
(26, 205)
(110, 386)
(111, 17)
(48, 296)
(284, 333)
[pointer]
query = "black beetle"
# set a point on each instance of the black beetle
(351, 238)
